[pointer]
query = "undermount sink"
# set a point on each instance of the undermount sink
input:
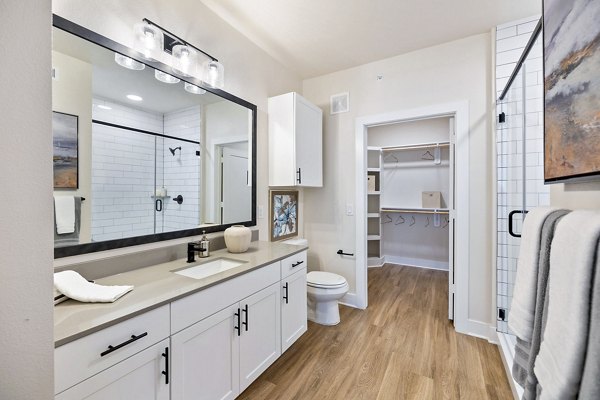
(206, 269)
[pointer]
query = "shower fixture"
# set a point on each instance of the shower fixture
(172, 150)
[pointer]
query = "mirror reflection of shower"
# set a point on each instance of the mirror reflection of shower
(173, 150)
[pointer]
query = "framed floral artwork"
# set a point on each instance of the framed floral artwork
(283, 214)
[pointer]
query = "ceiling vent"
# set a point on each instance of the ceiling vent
(340, 103)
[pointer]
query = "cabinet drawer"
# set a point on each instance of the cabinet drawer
(193, 308)
(80, 359)
(293, 263)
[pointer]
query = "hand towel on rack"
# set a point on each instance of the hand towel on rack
(559, 364)
(522, 307)
(526, 352)
(64, 213)
(76, 287)
(68, 239)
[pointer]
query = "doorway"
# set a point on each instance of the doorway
(234, 182)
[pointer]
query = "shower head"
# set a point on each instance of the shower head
(172, 150)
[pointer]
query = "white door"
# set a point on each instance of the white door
(308, 141)
(451, 219)
(235, 183)
(293, 308)
(260, 343)
(205, 358)
(139, 377)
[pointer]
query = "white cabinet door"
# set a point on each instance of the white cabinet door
(293, 308)
(309, 138)
(260, 343)
(205, 358)
(139, 377)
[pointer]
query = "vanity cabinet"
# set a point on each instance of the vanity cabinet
(293, 299)
(295, 142)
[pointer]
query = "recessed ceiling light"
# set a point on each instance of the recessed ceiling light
(134, 97)
(102, 106)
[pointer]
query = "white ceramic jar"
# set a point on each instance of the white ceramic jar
(237, 238)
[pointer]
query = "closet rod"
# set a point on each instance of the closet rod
(414, 211)
(416, 146)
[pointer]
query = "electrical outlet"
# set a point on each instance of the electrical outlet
(261, 212)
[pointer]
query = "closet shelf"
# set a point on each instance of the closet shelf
(416, 146)
(376, 192)
(407, 210)
(373, 237)
(373, 169)
(373, 215)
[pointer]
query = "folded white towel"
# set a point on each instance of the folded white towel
(74, 286)
(559, 364)
(522, 308)
(64, 212)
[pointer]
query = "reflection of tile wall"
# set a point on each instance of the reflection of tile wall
(181, 174)
(122, 172)
(511, 40)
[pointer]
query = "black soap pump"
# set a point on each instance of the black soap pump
(204, 246)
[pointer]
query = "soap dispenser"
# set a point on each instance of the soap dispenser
(204, 246)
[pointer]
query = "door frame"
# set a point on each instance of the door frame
(460, 112)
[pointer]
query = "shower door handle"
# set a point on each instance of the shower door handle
(159, 205)
(510, 222)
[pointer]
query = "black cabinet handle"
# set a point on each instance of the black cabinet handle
(299, 175)
(510, 222)
(245, 323)
(294, 265)
(285, 296)
(237, 327)
(158, 205)
(166, 371)
(117, 347)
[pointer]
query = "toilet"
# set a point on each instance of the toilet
(324, 291)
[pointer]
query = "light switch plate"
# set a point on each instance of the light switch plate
(349, 209)
(261, 212)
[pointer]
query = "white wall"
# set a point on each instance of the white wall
(26, 221)
(249, 72)
(450, 72)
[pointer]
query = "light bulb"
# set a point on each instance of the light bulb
(214, 74)
(185, 59)
(148, 40)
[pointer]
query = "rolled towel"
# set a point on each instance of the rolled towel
(64, 210)
(76, 287)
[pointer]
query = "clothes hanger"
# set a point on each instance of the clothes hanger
(393, 156)
(413, 221)
(400, 220)
(427, 156)
(446, 223)
(428, 222)
(388, 217)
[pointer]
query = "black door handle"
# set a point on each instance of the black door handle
(285, 296)
(159, 205)
(178, 199)
(166, 371)
(510, 222)
(237, 327)
(245, 323)
(341, 253)
(125, 343)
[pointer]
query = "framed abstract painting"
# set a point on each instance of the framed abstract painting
(65, 150)
(283, 214)
(571, 90)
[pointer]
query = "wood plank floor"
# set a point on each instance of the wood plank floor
(401, 347)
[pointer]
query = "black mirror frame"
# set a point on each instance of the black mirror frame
(86, 34)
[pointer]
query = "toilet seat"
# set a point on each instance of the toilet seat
(326, 280)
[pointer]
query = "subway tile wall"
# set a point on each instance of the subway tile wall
(519, 164)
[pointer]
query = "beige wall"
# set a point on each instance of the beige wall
(576, 195)
(26, 337)
(72, 94)
(454, 71)
(249, 72)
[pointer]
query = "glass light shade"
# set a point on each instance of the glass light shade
(214, 74)
(163, 77)
(148, 40)
(193, 88)
(185, 60)
(128, 63)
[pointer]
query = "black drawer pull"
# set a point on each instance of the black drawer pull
(166, 371)
(294, 265)
(285, 296)
(117, 347)
(237, 327)
(245, 323)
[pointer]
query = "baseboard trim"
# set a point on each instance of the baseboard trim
(475, 328)
(352, 300)
(417, 262)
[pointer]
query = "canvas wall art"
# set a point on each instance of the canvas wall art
(65, 154)
(571, 89)
(284, 214)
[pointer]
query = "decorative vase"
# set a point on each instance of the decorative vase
(237, 238)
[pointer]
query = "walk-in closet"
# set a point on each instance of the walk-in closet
(410, 193)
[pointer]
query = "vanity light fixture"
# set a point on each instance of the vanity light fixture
(128, 62)
(193, 89)
(134, 97)
(184, 55)
(164, 77)
(148, 40)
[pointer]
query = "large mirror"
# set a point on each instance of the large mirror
(143, 160)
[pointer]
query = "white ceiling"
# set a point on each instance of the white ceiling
(316, 37)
